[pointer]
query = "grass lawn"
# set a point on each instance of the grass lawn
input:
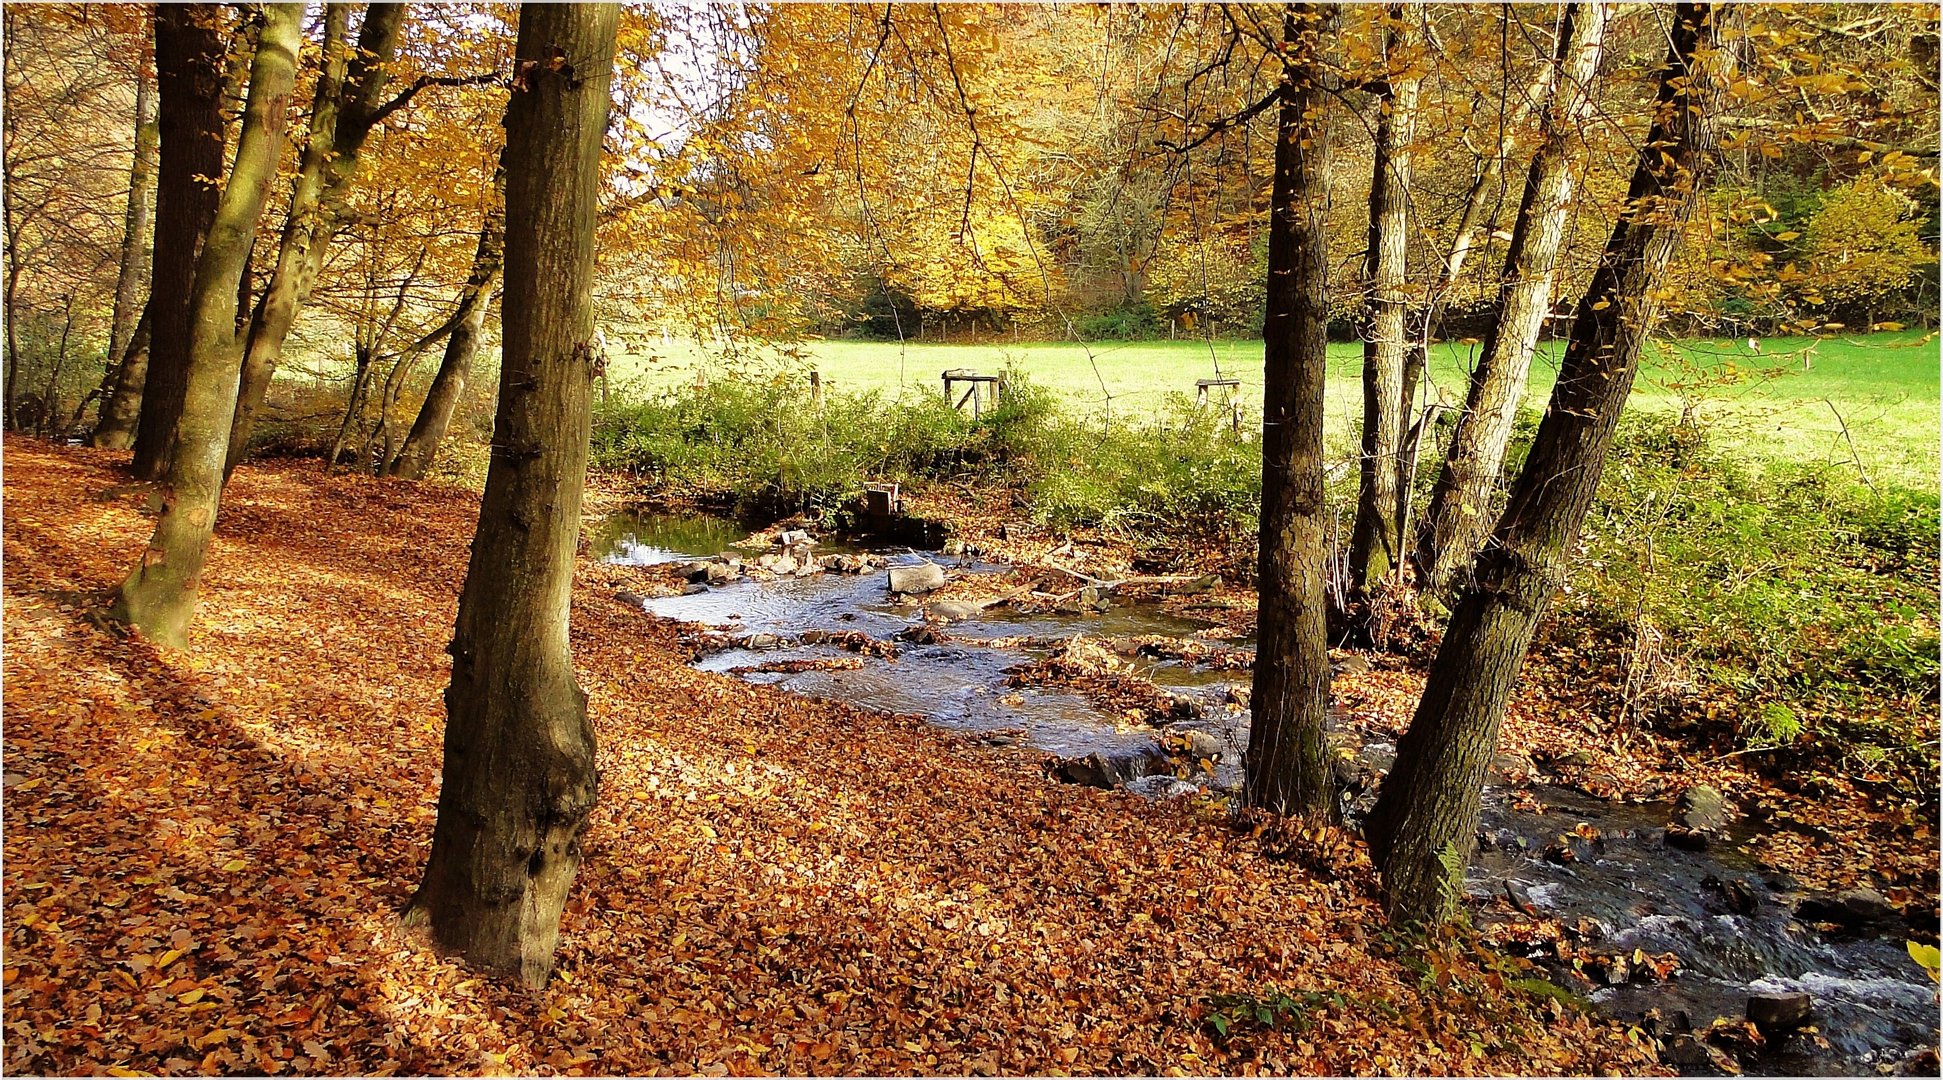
(1776, 402)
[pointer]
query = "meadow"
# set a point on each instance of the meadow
(1787, 402)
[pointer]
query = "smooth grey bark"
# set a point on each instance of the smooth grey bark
(343, 112)
(1458, 516)
(1375, 545)
(1287, 766)
(462, 343)
(1422, 827)
(121, 384)
(159, 596)
(188, 80)
(519, 776)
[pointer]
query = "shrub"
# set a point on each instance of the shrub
(1797, 590)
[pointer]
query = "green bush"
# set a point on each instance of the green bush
(1796, 589)
(760, 441)
(1187, 473)
(1132, 321)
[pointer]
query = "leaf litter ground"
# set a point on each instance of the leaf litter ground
(206, 850)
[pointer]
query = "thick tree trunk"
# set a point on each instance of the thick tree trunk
(121, 384)
(189, 77)
(467, 323)
(159, 597)
(1374, 547)
(1457, 520)
(343, 112)
(1288, 768)
(1421, 829)
(519, 753)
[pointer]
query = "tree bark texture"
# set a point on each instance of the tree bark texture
(1456, 522)
(1421, 829)
(1374, 542)
(1288, 769)
(519, 776)
(123, 383)
(159, 597)
(1472, 223)
(188, 81)
(342, 114)
(467, 323)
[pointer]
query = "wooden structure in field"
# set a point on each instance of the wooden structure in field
(1230, 392)
(981, 392)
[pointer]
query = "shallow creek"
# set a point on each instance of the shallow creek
(1622, 891)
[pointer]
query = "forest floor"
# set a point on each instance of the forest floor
(205, 851)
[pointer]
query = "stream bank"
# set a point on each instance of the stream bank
(1686, 936)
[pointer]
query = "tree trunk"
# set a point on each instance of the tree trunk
(159, 597)
(1288, 768)
(188, 77)
(353, 407)
(121, 385)
(1421, 829)
(132, 272)
(1374, 544)
(519, 776)
(121, 393)
(449, 384)
(342, 114)
(13, 322)
(1456, 522)
(50, 398)
(1472, 223)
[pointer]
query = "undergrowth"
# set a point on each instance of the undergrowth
(1802, 597)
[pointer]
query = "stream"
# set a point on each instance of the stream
(1621, 891)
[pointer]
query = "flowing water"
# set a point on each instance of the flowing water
(1620, 889)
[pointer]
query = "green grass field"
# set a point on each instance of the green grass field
(1780, 404)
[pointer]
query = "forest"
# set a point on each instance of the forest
(963, 538)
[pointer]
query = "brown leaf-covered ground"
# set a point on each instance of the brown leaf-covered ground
(205, 851)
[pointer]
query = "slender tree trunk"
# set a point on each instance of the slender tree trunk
(1288, 767)
(188, 76)
(343, 112)
(1472, 223)
(13, 324)
(121, 384)
(159, 597)
(353, 408)
(132, 273)
(50, 406)
(1456, 522)
(121, 393)
(1373, 546)
(519, 776)
(1421, 828)
(467, 323)
(10, 211)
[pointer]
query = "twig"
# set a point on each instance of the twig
(1854, 455)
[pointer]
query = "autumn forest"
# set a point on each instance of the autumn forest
(999, 539)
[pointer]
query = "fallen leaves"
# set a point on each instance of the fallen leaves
(205, 850)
